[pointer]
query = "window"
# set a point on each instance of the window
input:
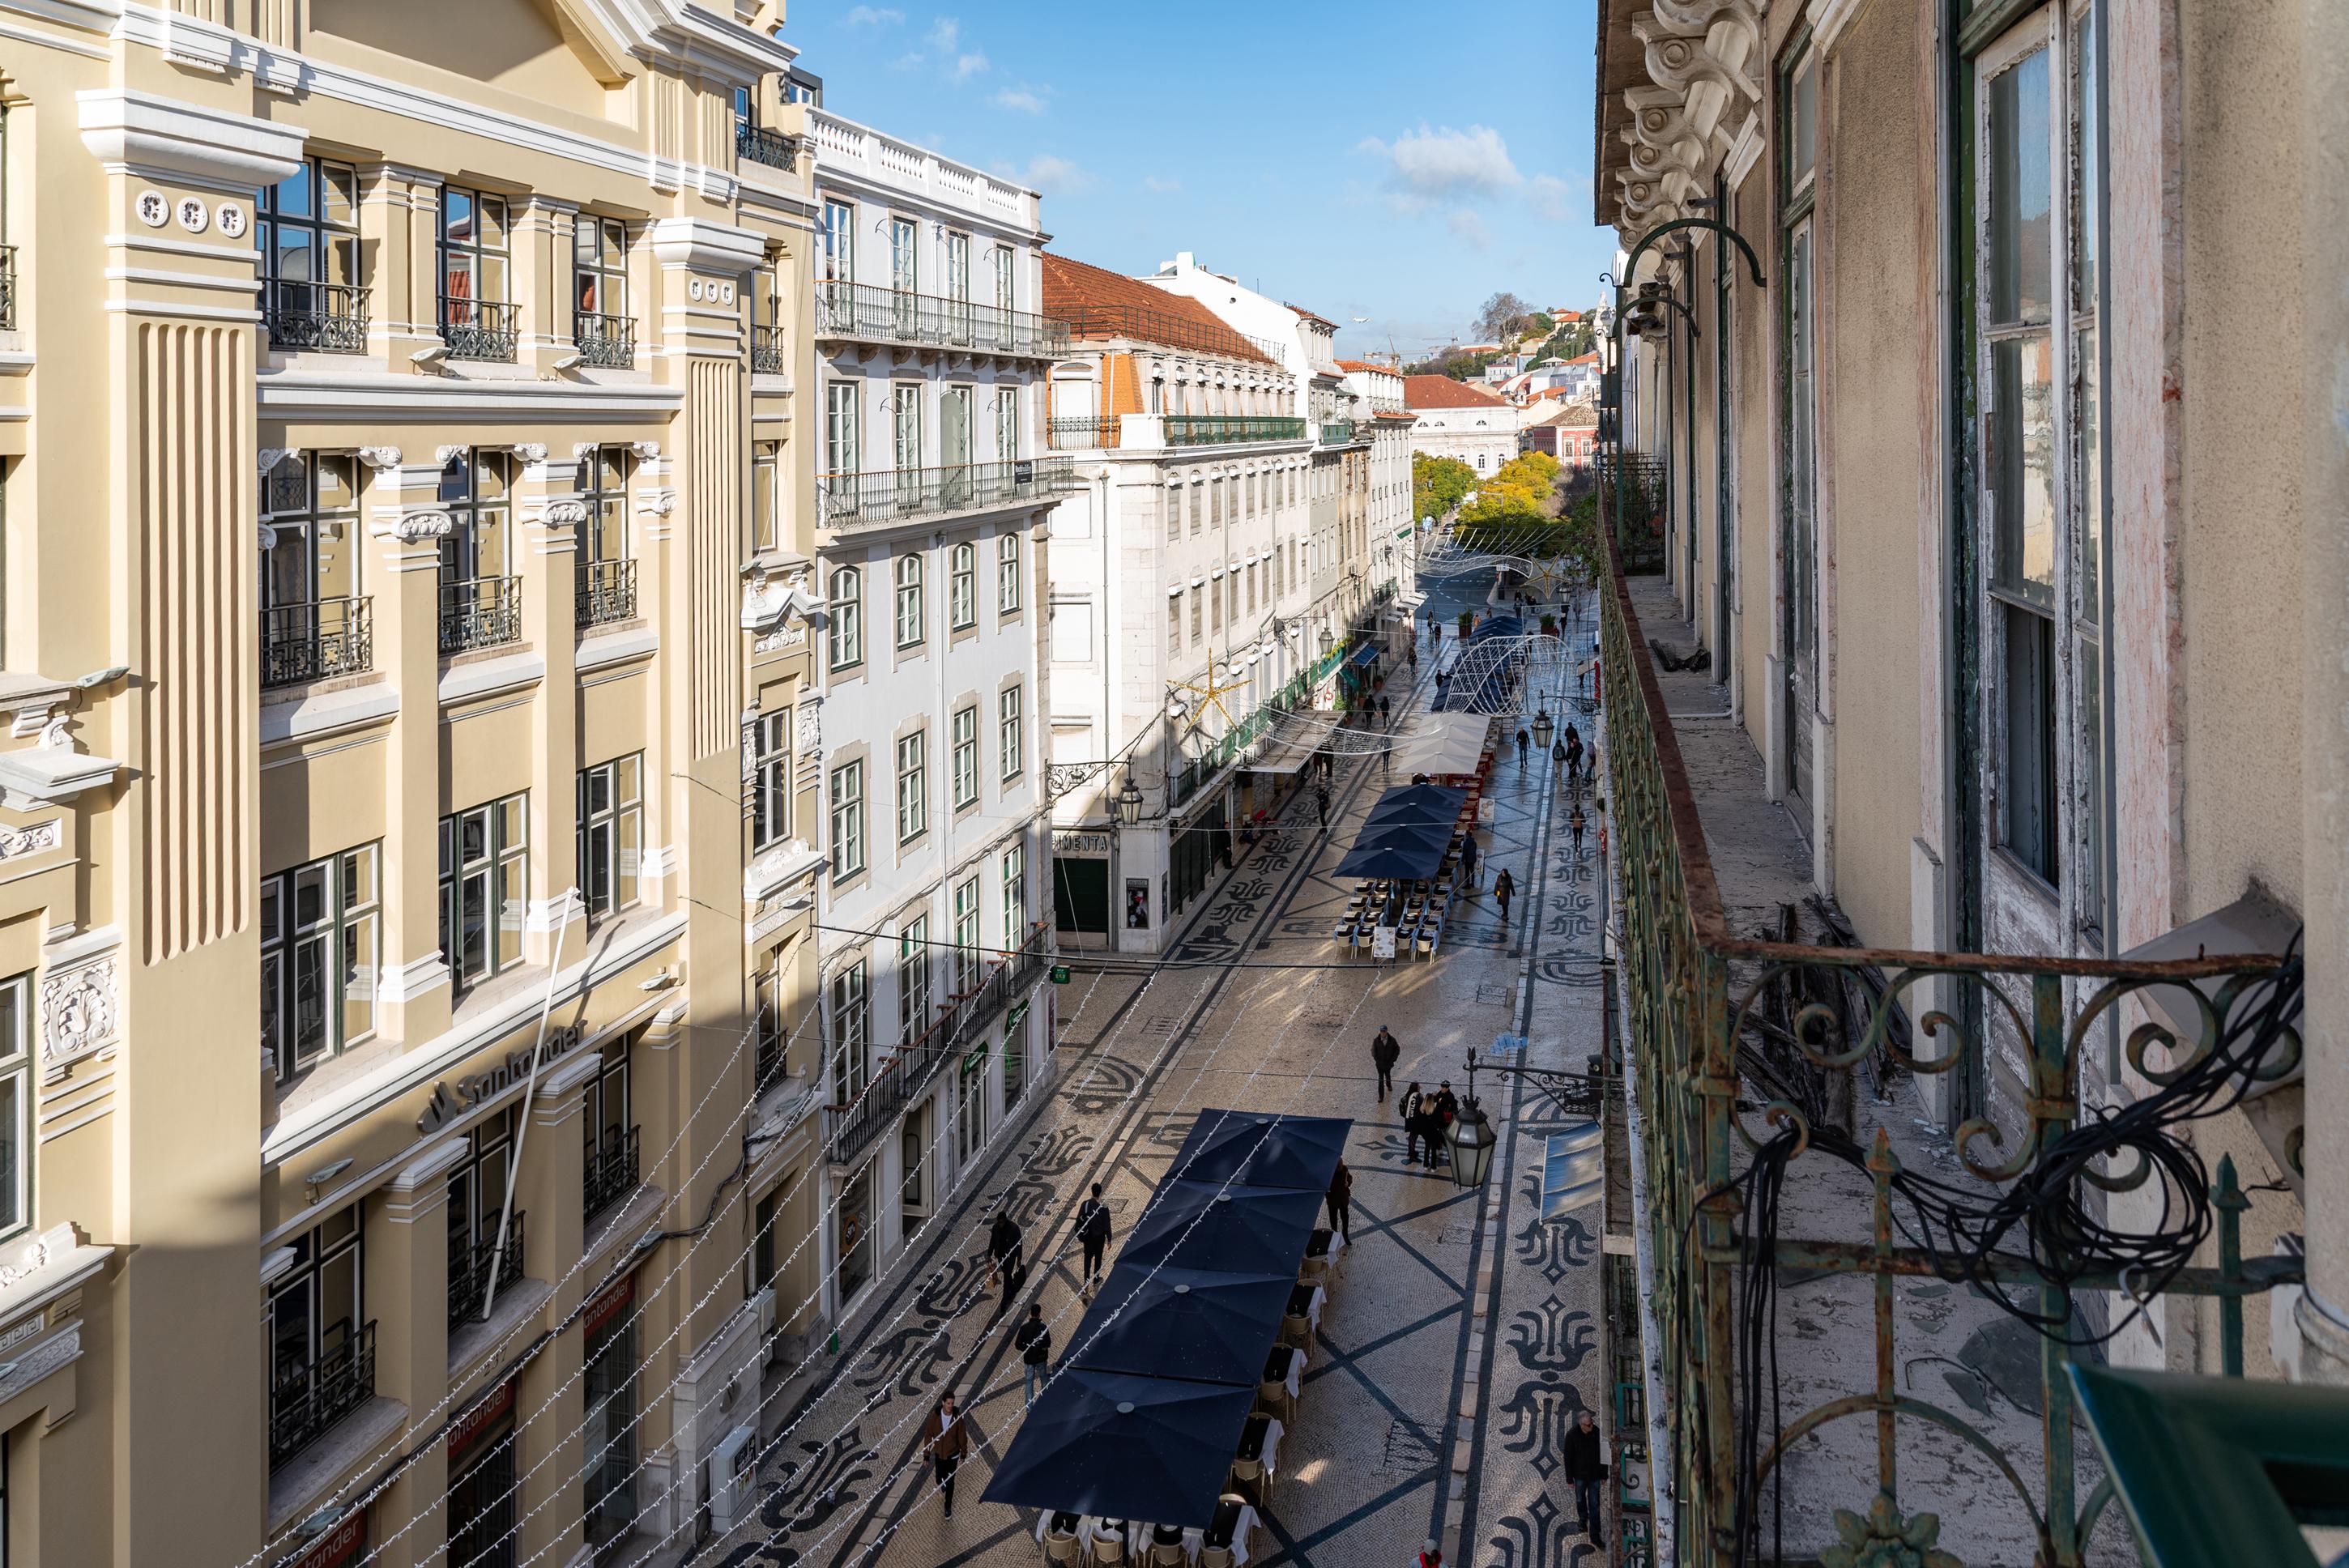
(842, 453)
(968, 963)
(905, 423)
(766, 498)
(851, 1034)
(913, 978)
(1197, 507)
(769, 803)
(965, 758)
(477, 1200)
(1174, 508)
(1175, 623)
(913, 787)
(484, 888)
(312, 624)
(1007, 424)
(1010, 753)
(476, 320)
(839, 257)
(1215, 603)
(958, 268)
(600, 323)
(1198, 609)
(1007, 278)
(1007, 574)
(320, 1358)
(770, 984)
(306, 228)
(321, 939)
(845, 635)
(16, 1108)
(909, 601)
(962, 587)
(905, 269)
(478, 603)
(612, 1169)
(606, 576)
(1015, 896)
(611, 833)
(847, 821)
(1799, 498)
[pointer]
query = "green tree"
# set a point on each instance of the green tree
(1438, 484)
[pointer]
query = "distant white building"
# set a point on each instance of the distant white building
(1454, 419)
(1393, 554)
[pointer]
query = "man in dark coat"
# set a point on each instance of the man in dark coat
(1413, 1106)
(1092, 1234)
(1003, 1252)
(1385, 1051)
(1442, 1112)
(1341, 1201)
(1033, 1340)
(1586, 1467)
(947, 1442)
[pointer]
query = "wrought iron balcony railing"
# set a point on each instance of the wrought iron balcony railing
(7, 288)
(607, 592)
(470, 1267)
(332, 317)
(1082, 433)
(898, 495)
(1222, 429)
(606, 342)
(312, 641)
(892, 315)
(480, 613)
(850, 1129)
(1643, 479)
(758, 144)
(1714, 1016)
(1336, 432)
(767, 351)
(307, 1397)
(1192, 773)
(611, 1174)
(478, 328)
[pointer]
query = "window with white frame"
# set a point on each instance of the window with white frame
(847, 821)
(1175, 623)
(484, 888)
(611, 833)
(913, 978)
(851, 1034)
(843, 453)
(845, 635)
(769, 805)
(1007, 424)
(968, 966)
(321, 939)
(962, 586)
(766, 497)
(965, 758)
(913, 787)
(1007, 573)
(1009, 734)
(905, 423)
(1015, 894)
(910, 615)
(16, 1099)
(839, 242)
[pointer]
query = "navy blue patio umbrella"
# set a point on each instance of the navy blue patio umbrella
(1155, 1449)
(1238, 1229)
(1242, 1147)
(1201, 1325)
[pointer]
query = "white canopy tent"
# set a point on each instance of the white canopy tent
(1443, 743)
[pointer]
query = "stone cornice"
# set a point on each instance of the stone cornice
(162, 138)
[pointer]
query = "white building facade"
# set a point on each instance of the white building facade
(1378, 401)
(1455, 420)
(929, 354)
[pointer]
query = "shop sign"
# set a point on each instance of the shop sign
(1093, 845)
(975, 1060)
(478, 1420)
(1059, 973)
(450, 1102)
(1015, 1018)
(339, 1545)
(608, 1306)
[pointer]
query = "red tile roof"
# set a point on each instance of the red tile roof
(1309, 316)
(1099, 303)
(1443, 392)
(1365, 365)
(1574, 416)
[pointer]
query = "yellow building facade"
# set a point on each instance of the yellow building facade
(405, 675)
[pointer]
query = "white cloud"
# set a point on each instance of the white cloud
(1152, 183)
(1051, 175)
(1444, 164)
(1560, 201)
(943, 34)
(1464, 222)
(906, 61)
(868, 16)
(969, 66)
(1022, 98)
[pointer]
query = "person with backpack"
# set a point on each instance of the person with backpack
(1442, 1112)
(1033, 1340)
(1574, 825)
(1092, 1236)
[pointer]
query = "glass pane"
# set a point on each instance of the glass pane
(629, 780)
(2027, 782)
(2021, 463)
(339, 185)
(631, 829)
(472, 920)
(359, 978)
(512, 901)
(289, 1315)
(473, 836)
(494, 223)
(597, 872)
(338, 1299)
(2084, 108)
(513, 829)
(292, 195)
(310, 896)
(1803, 149)
(2021, 246)
(272, 976)
(599, 791)
(309, 965)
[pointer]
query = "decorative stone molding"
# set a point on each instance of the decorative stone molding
(656, 502)
(705, 246)
(167, 139)
(408, 527)
(78, 1011)
(531, 451)
(649, 451)
(561, 512)
(1703, 63)
(33, 839)
(378, 459)
(268, 537)
(583, 450)
(272, 456)
(767, 604)
(442, 454)
(808, 737)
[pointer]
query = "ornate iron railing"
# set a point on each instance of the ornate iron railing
(479, 613)
(311, 642)
(896, 495)
(850, 1129)
(1193, 772)
(306, 1397)
(767, 351)
(306, 316)
(7, 288)
(478, 328)
(611, 1174)
(607, 592)
(607, 342)
(895, 315)
(1082, 432)
(1643, 479)
(1220, 430)
(1701, 1003)
(758, 144)
(470, 1266)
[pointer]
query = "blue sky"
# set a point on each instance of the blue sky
(1390, 161)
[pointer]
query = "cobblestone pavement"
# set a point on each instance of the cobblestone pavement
(1461, 1333)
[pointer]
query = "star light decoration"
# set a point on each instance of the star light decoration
(1221, 680)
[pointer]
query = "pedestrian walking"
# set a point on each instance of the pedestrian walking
(1573, 752)
(1321, 803)
(1033, 1339)
(1342, 1202)
(1523, 738)
(1574, 826)
(1504, 887)
(1003, 1252)
(1412, 655)
(1586, 1467)
(1382, 710)
(1092, 1236)
(1431, 1556)
(1442, 1112)
(1385, 1051)
(1468, 858)
(1413, 1106)
(1557, 758)
(947, 1442)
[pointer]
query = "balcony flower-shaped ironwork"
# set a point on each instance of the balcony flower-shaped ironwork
(306, 1397)
(606, 342)
(478, 328)
(479, 613)
(330, 317)
(607, 592)
(316, 641)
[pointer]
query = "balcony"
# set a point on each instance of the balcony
(323, 317)
(607, 592)
(1085, 433)
(316, 641)
(7, 288)
(1192, 773)
(606, 342)
(470, 1269)
(1769, 1127)
(767, 351)
(758, 144)
(850, 1129)
(1336, 432)
(865, 311)
(482, 612)
(1225, 429)
(478, 328)
(611, 1175)
(900, 495)
(306, 1398)
(1639, 531)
